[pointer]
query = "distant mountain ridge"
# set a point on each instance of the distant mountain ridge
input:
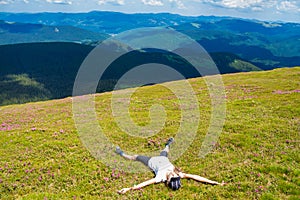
(267, 44)
(16, 32)
(116, 22)
(263, 34)
(105, 22)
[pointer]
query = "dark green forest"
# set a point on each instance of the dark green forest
(42, 71)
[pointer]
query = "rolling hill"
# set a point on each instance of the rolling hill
(16, 32)
(101, 21)
(267, 44)
(39, 71)
(42, 71)
(257, 154)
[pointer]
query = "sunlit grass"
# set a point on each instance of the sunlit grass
(257, 153)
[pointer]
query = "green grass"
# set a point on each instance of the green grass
(257, 153)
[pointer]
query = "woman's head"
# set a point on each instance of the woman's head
(174, 183)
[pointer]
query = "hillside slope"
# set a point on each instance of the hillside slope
(43, 71)
(267, 45)
(257, 153)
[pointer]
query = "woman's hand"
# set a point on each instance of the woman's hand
(124, 190)
(223, 183)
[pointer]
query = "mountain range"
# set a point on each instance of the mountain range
(40, 53)
(105, 22)
(267, 44)
(16, 32)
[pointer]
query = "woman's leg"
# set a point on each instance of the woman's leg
(142, 159)
(166, 150)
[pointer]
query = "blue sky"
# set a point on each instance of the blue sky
(271, 10)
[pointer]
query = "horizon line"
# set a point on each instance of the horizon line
(152, 13)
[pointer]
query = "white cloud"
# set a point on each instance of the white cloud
(256, 8)
(256, 5)
(5, 2)
(174, 3)
(63, 2)
(288, 6)
(179, 4)
(153, 2)
(236, 3)
(114, 2)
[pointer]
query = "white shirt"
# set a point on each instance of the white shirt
(160, 166)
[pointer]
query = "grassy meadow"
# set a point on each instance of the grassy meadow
(257, 155)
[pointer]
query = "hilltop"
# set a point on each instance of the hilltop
(257, 154)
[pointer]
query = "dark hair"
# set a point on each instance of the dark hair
(174, 183)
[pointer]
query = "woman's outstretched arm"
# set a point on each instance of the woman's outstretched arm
(137, 187)
(200, 179)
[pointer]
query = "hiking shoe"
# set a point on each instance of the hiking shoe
(170, 141)
(119, 151)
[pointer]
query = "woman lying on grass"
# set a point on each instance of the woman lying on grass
(163, 169)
